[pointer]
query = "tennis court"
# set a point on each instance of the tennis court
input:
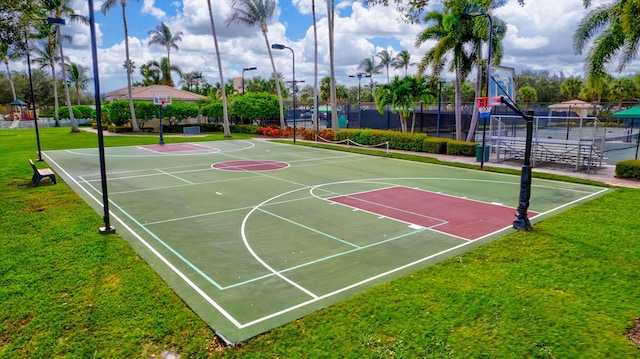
(254, 234)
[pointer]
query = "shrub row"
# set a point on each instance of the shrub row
(416, 142)
(628, 169)
(397, 140)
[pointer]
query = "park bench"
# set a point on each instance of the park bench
(39, 174)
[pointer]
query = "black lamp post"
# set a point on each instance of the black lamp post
(250, 68)
(33, 97)
(107, 229)
(293, 69)
(475, 11)
(359, 75)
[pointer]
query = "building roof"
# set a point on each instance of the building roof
(574, 104)
(147, 93)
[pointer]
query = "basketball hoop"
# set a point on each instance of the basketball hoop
(484, 107)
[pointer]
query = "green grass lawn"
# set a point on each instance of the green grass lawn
(568, 289)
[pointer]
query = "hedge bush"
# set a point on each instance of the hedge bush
(397, 140)
(461, 148)
(628, 169)
(63, 113)
(250, 129)
(435, 145)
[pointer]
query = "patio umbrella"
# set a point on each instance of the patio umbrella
(18, 102)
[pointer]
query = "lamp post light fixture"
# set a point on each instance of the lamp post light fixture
(293, 70)
(359, 75)
(250, 68)
(475, 11)
(107, 229)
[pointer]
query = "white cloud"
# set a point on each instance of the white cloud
(539, 37)
(148, 7)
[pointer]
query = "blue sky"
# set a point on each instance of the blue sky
(539, 37)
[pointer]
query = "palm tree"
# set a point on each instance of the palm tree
(571, 87)
(402, 61)
(59, 9)
(106, 6)
(617, 24)
(4, 55)
(527, 94)
(48, 57)
(368, 66)
(77, 76)
(419, 90)
(162, 35)
(164, 68)
(225, 115)
(386, 58)
(398, 95)
(150, 74)
(191, 79)
(622, 89)
(258, 12)
(453, 33)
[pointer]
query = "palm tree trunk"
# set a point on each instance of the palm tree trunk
(134, 121)
(225, 116)
(474, 116)
(74, 126)
(315, 66)
(413, 118)
(275, 72)
(458, 105)
(56, 104)
(335, 125)
(13, 88)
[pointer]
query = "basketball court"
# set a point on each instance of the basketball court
(255, 234)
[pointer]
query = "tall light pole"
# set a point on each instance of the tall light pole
(250, 68)
(359, 75)
(33, 97)
(107, 229)
(475, 11)
(293, 69)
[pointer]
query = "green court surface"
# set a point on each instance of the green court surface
(255, 234)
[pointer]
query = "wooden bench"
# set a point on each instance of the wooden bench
(39, 174)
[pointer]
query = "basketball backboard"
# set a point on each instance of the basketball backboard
(162, 98)
(502, 83)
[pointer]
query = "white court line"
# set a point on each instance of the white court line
(174, 176)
